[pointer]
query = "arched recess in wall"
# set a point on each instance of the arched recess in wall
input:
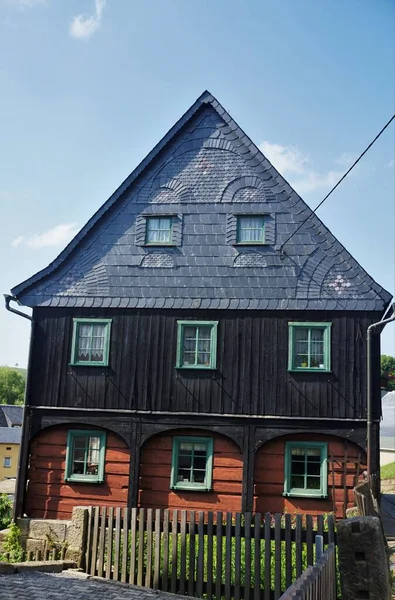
(159, 471)
(246, 189)
(51, 494)
(273, 492)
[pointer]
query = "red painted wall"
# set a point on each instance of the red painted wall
(155, 470)
(269, 477)
(50, 497)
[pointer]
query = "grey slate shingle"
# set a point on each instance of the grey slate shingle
(205, 170)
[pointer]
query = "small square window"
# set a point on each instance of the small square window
(7, 462)
(197, 344)
(250, 229)
(309, 347)
(85, 456)
(159, 231)
(192, 463)
(91, 340)
(306, 470)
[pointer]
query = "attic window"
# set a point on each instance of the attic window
(250, 229)
(159, 231)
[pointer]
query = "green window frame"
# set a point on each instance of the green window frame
(159, 231)
(91, 342)
(250, 229)
(192, 463)
(309, 347)
(196, 344)
(85, 455)
(306, 469)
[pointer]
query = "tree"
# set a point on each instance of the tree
(12, 386)
(388, 367)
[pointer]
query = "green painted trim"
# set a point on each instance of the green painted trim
(326, 326)
(193, 487)
(213, 344)
(152, 218)
(303, 492)
(106, 350)
(255, 242)
(68, 476)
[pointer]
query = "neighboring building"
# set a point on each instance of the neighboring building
(188, 354)
(10, 439)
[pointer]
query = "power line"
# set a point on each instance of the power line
(339, 182)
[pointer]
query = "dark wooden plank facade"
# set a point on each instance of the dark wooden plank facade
(251, 378)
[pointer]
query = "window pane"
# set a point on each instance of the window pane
(313, 483)
(159, 230)
(250, 229)
(297, 481)
(199, 476)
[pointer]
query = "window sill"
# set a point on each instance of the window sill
(317, 496)
(87, 364)
(251, 244)
(196, 368)
(189, 488)
(159, 245)
(307, 370)
(81, 480)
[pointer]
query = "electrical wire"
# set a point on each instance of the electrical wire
(338, 183)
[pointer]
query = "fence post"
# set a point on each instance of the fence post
(319, 547)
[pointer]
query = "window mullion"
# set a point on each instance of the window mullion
(197, 346)
(192, 463)
(309, 347)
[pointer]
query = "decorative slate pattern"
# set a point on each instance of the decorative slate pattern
(249, 258)
(158, 259)
(205, 170)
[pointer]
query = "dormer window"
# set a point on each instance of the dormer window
(250, 229)
(159, 231)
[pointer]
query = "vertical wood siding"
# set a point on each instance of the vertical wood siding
(50, 497)
(155, 469)
(342, 477)
(251, 376)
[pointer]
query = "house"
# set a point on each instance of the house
(10, 439)
(188, 353)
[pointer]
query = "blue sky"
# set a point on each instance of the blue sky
(88, 88)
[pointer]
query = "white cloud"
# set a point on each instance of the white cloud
(56, 236)
(17, 241)
(82, 26)
(391, 163)
(296, 166)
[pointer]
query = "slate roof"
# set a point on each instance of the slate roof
(10, 435)
(204, 172)
(11, 415)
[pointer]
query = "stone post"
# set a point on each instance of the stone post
(363, 561)
(76, 536)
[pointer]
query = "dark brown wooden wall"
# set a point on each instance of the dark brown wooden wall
(50, 497)
(155, 470)
(346, 463)
(251, 377)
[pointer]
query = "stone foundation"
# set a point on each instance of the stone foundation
(48, 534)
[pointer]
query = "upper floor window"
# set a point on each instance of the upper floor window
(7, 462)
(91, 340)
(306, 470)
(197, 344)
(309, 347)
(159, 231)
(250, 229)
(192, 463)
(85, 456)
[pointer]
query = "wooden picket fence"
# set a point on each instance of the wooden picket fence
(218, 555)
(317, 581)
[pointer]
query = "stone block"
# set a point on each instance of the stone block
(6, 568)
(55, 566)
(352, 512)
(35, 545)
(363, 563)
(48, 529)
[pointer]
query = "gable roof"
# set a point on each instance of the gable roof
(12, 415)
(204, 170)
(10, 435)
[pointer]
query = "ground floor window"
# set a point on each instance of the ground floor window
(85, 456)
(192, 463)
(306, 471)
(7, 462)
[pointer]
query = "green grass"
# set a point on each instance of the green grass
(388, 471)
